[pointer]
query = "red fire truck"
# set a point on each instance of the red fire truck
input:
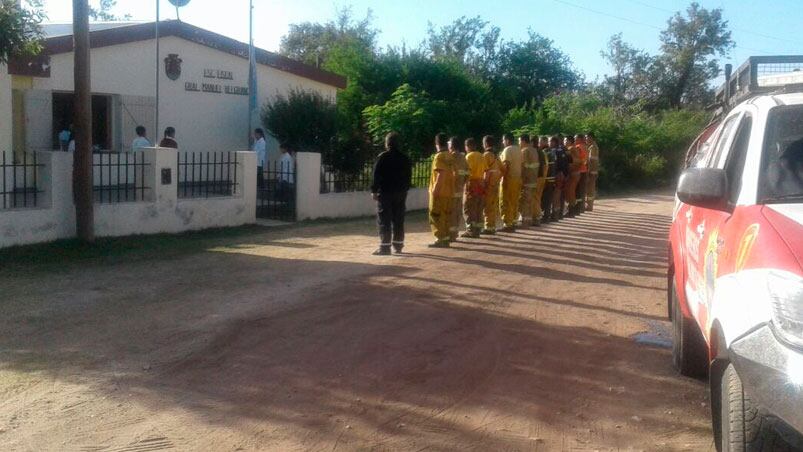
(735, 285)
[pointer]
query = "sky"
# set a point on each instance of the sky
(580, 28)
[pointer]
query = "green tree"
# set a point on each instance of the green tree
(20, 29)
(313, 42)
(410, 112)
(303, 120)
(632, 77)
(532, 70)
(103, 12)
(689, 47)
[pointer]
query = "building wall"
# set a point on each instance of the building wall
(205, 121)
(5, 110)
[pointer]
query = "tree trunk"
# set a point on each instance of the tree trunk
(82, 159)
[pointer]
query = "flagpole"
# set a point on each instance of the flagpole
(155, 133)
(251, 65)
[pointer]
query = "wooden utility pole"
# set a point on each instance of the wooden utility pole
(82, 160)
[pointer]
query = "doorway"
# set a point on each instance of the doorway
(64, 111)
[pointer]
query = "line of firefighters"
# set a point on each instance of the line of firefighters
(530, 183)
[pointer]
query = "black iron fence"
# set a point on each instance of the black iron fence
(20, 179)
(120, 177)
(338, 181)
(276, 191)
(207, 174)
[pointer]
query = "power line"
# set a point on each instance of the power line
(644, 24)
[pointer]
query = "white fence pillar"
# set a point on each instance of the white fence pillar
(247, 188)
(308, 185)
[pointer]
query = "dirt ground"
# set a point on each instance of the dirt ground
(298, 339)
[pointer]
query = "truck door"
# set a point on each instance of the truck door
(702, 226)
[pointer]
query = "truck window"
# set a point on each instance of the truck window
(781, 176)
(722, 141)
(737, 157)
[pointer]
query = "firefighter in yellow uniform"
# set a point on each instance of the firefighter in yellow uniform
(475, 190)
(460, 179)
(593, 171)
(493, 174)
(441, 193)
(511, 183)
(574, 175)
(529, 179)
(540, 184)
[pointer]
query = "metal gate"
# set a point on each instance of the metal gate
(276, 191)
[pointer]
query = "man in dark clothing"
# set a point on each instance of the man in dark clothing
(169, 141)
(562, 169)
(392, 176)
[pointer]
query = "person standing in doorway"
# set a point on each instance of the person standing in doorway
(140, 141)
(441, 192)
(593, 171)
(392, 177)
(169, 140)
(475, 190)
(511, 183)
(260, 149)
(460, 179)
(64, 138)
(493, 174)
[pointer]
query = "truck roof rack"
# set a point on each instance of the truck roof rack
(759, 75)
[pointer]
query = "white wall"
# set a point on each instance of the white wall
(5, 110)
(311, 204)
(55, 217)
(162, 212)
(204, 121)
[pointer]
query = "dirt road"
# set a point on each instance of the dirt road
(298, 339)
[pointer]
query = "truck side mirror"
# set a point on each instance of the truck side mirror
(704, 187)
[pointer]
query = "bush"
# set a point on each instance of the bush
(637, 149)
(305, 121)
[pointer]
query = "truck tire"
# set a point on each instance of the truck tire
(689, 352)
(743, 425)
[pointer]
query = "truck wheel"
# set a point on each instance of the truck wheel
(689, 352)
(744, 426)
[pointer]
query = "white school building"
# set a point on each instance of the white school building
(203, 87)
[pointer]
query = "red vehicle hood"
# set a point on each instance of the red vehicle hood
(787, 219)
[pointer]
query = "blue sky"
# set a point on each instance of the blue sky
(580, 28)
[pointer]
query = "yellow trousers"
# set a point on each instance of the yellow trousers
(591, 190)
(472, 209)
(455, 216)
(440, 211)
(539, 193)
(526, 204)
(491, 208)
(511, 190)
(571, 189)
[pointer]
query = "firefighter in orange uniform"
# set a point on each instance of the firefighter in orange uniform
(574, 175)
(493, 174)
(540, 185)
(529, 179)
(475, 190)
